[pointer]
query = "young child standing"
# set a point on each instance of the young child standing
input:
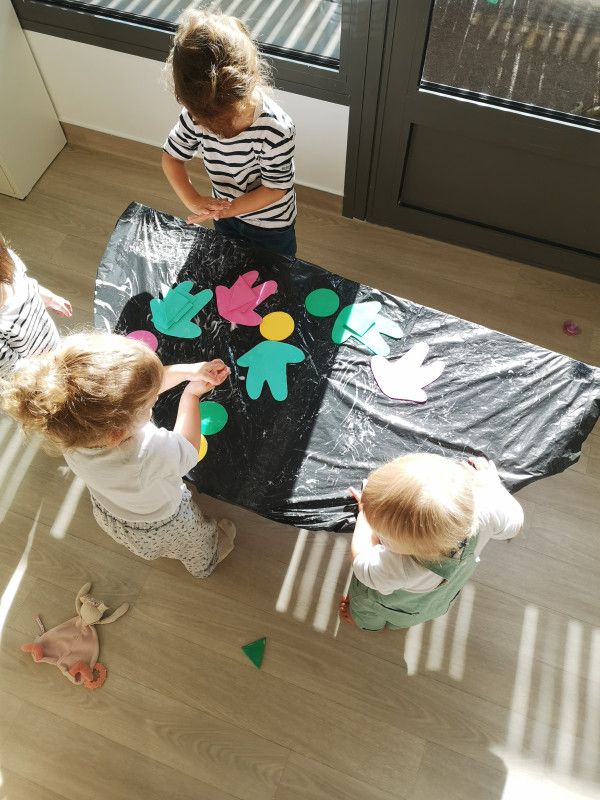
(92, 397)
(25, 326)
(244, 138)
(423, 522)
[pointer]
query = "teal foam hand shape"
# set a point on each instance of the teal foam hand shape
(364, 322)
(174, 313)
(267, 363)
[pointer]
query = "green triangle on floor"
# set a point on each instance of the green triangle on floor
(256, 651)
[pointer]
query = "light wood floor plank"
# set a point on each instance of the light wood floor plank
(444, 774)
(16, 787)
(92, 766)
(69, 563)
(151, 724)
(304, 779)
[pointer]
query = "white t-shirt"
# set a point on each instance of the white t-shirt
(497, 516)
(140, 480)
(25, 326)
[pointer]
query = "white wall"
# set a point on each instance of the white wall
(127, 96)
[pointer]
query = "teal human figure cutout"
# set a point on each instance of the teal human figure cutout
(267, 361)
(174, 313)
(362, 321)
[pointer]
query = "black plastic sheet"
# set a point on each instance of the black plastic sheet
(526, 408)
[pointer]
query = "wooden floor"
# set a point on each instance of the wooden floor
(501, 699)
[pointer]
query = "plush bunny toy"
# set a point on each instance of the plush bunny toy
(73, 646)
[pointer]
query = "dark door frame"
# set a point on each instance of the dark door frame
(380, 140)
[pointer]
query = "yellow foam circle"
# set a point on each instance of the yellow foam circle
(277, 325)
(203, 447)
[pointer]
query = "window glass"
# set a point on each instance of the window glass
(302, 27)
(542, 53)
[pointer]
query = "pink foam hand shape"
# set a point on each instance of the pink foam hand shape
(237, 302)
(404, 378)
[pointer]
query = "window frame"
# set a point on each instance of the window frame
(127, 33)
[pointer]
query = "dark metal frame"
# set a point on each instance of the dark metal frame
(300, 73)
(553, 134)
(371, 64)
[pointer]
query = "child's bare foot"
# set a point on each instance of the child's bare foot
(344, 609)
(226, 535)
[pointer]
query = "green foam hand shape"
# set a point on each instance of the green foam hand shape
(174, 313)
(364, 322)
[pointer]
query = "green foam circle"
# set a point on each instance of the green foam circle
(213, 417)
(322, 302)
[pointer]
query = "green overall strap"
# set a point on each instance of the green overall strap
(446, 567)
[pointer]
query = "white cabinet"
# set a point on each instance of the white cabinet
(30, 134)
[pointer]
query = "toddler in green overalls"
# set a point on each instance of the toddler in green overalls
(423, 521)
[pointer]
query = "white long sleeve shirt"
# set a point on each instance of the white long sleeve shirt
(497, 516)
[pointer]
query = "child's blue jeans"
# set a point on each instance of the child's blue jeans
(279, 240)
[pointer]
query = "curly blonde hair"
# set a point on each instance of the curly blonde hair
(79, 395)
(421, 504)
(215, 67)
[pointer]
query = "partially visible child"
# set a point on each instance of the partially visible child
(244, 138)
(25, 326)
(92, 397)
(423, 522)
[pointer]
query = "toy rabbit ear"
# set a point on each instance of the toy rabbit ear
(115, 615)
(84, 590)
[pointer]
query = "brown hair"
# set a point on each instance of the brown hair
(7, 267)
(80, 394)
(215, 67)
(421, 504)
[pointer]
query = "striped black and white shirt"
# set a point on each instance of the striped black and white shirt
(25, 326)
(262, 155)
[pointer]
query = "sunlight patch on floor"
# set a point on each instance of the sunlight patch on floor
(327, 597)
(11, 487)
(569, 701)
(67, 510)
(437, 640)
(12, 587)
(287, 587)
(309, 576)
(305, 586)
(412, 648)
(462, 625)
(522, 686)
(9, 453)
(591, 731)
(530, 779)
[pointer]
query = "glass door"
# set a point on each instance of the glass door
(490, 127)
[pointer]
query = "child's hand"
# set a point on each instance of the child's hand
(58, 304)
(213, 372)
(198, 388)
(357, 494)
(224, 213)
(485, 470)
(205, 208)
(482, 465)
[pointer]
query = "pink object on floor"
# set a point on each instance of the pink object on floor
(147, 337)
(571, 328)
(237, 302)
(73, 645)
(404, 378)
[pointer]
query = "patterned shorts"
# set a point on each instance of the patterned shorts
(188, 536)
